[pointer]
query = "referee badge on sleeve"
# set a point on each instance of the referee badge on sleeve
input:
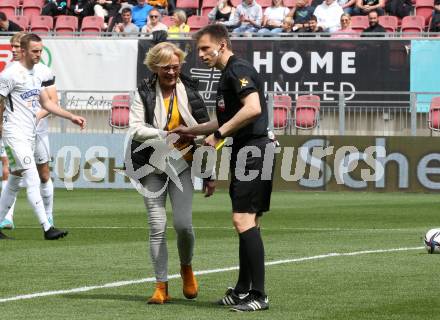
(243, 82)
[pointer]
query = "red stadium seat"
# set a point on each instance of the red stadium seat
(391, 23)
(193, 4)
(307, 111)
(22, 21)
(39, 3)
(41, 24)
(31, 8)
(282, 105)
(412, 24)
(9, 7)
(167, 20)
(359, 23)
(236, 2)
(197, 22)
(66, 25)
(91, 26)
(207, 6)
(119, 113)
(424, 8)
(264, 3)
(290, 3)
(434, 114)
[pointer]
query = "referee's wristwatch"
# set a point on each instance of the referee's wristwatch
(218, 134)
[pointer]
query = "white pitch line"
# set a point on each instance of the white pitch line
(232, 228)
(174, 276)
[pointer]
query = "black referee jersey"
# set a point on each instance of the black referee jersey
(239, 79)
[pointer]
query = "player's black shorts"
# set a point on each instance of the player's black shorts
(251, 195)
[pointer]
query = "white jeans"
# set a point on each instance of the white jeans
(181, 202)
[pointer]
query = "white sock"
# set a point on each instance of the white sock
(10, 214)
(8, 195)
(4, 183)
(46, 191)
(32, 183)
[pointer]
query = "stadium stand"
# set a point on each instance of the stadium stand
(412, 24)
(66, 25)
(390, 23)
(434, 115)
(91, 26)
(22, 21)
(282, 106)
(188, 4)
(119, 113)
(9, 7)
(166, 20)
(197, 22)
(307, 111)
(424, 8)
(41, 24)
(207, 6)
(359, 23)
(31, 8)
(265, 3)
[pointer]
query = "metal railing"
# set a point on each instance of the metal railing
(340, 113)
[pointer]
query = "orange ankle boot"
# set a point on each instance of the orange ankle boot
(160, 295)
(190, 286)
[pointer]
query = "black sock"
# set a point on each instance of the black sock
(254, 250)
(244, 274)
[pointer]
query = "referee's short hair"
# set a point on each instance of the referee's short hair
(27, 38)
(217, 32)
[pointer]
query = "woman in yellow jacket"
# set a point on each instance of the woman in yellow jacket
(179, 26)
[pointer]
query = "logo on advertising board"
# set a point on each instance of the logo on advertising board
(5, 55)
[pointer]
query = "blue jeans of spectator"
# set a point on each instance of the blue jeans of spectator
(348, 10)
(274, 30)
(245, 28)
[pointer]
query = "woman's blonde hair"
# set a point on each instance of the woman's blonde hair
(181, 15)
(161, 54)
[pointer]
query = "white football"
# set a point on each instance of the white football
(432, 241)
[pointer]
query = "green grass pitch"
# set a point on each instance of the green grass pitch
(108, 243)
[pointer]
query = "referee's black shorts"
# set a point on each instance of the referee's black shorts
(251, 195)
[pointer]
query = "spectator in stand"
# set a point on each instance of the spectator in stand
(154, 23)
(287, 24)
(329, 14)
(222, 12)
(126, 26)
(435, 23)
(247, 17)
(311, 26)
(106, 9)
(346, 31)
(363, 7)
(375, 27)
(54, 8)
(301, 14)
(179, 24)
(140, 13)
(399, 8)
(82, 8)
(7, 25)
(347, 5)
(273, 17)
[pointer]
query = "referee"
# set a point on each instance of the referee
(241, 114)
